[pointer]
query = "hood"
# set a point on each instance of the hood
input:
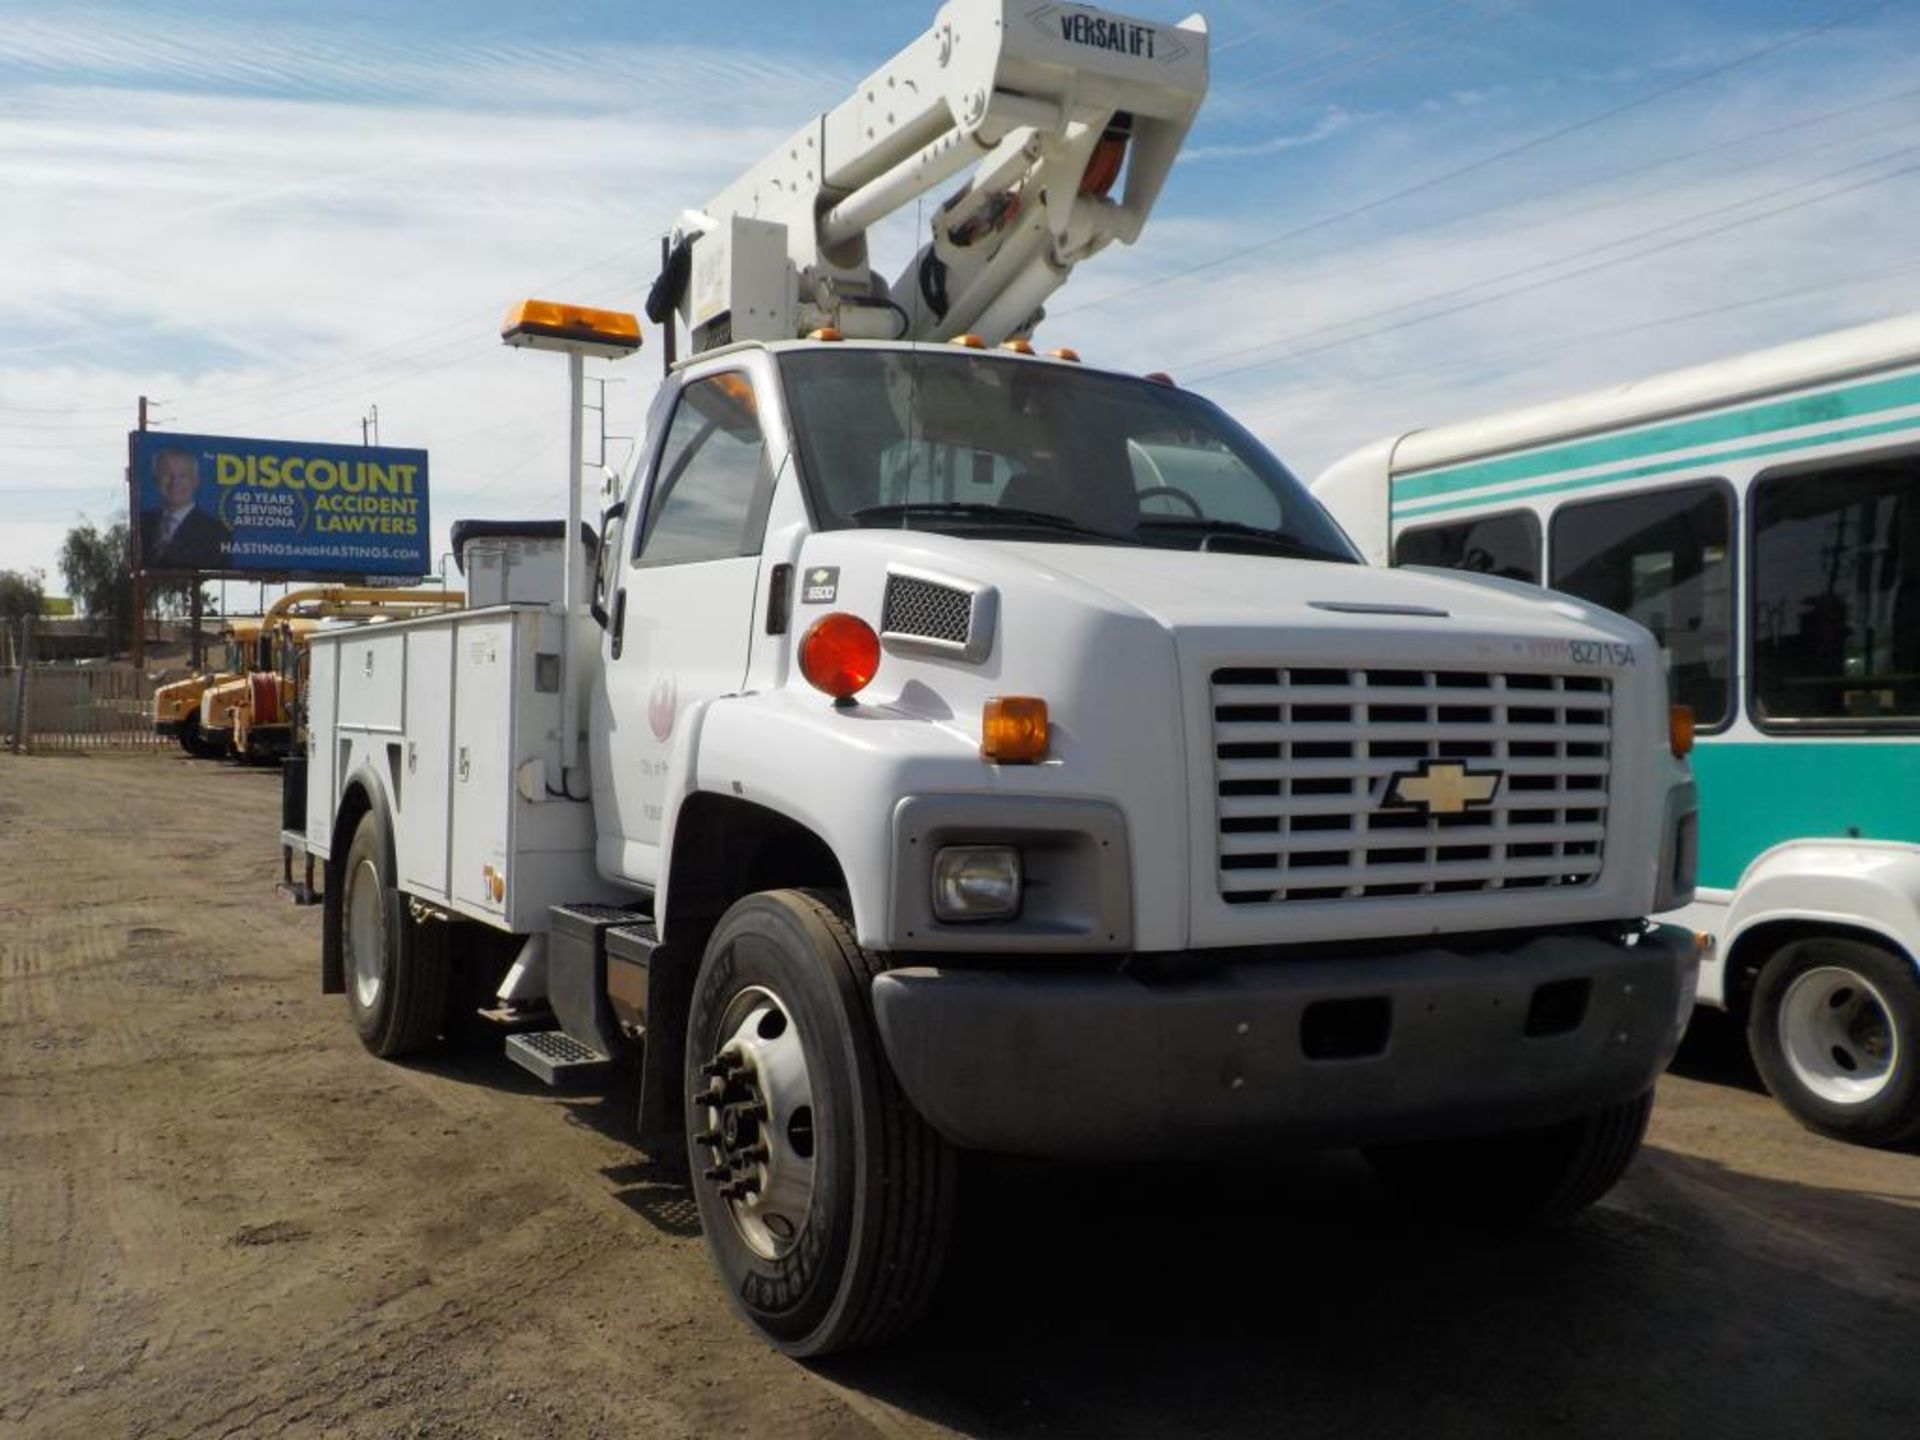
(1183, 589)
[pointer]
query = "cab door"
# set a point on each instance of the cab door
(681, 614)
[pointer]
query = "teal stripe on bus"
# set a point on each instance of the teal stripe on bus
(1705, 463)
(1832, 405)
(1755, 794)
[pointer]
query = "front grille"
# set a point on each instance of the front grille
(926, 610)
(1304, 760)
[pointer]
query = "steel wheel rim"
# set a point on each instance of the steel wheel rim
(365, 926)
(1838, 1035)
(755, 1122)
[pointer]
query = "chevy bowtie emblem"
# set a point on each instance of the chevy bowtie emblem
(1442, 787)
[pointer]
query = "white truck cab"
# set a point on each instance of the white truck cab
(981, 750)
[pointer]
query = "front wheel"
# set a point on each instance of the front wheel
(826, 1200)
(1531, 1178)
(1834, 1028)
(194, 741)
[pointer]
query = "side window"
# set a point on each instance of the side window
(1836, 615)
(710, 495)
(1663, 559)
(1507, 545)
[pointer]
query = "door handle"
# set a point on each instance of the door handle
(619, 622)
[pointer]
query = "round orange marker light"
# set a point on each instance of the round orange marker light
(1065, 352)
(1160, 377)
(840, 655)
(826, 333)
(968, 342)
(1018, 347)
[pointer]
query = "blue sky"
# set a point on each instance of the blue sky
(274, 217)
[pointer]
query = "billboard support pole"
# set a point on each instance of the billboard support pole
(133, 547)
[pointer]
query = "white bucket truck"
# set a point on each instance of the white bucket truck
(970, 749)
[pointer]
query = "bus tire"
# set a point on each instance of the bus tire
(826, 1200)
(396, 981)
(1526, 1179)
(1834, 1029)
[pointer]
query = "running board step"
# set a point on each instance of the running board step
(557, 1059)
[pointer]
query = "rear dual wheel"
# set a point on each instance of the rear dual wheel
(826, 1200)
(397, 972)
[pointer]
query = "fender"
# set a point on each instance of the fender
(1868, 885)
(836, 772)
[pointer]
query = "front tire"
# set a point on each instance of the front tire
(195, 742)
(396, 982)
(1834, 1029)
(826, 1200)
(1528, 1179)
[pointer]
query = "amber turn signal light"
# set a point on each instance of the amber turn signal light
(1680, 729)
(840, 655)
(1013, 729)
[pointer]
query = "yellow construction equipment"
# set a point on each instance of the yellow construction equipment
(177, 707)
(250, 714)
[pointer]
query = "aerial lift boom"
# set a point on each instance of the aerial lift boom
(1052, 106)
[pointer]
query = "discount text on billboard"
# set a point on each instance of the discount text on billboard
(212, 502)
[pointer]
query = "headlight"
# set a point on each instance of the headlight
(976, 882)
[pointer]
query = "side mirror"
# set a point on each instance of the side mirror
(605, 561)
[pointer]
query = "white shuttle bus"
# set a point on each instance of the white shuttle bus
(1762, 517)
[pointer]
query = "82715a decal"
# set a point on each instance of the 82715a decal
(1601, 652)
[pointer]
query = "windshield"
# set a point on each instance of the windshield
(971, 444)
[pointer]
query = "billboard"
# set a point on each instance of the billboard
(213, 502)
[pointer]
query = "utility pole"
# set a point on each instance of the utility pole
(133, 548)
(370, 425)
(601, 410)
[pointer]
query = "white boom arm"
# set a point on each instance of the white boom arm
(1047, 103)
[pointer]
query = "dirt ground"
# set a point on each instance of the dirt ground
(220, 1217)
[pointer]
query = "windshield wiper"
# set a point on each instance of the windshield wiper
(1234, 530)
(978, 510)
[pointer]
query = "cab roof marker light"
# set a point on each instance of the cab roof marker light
(1018, 347)
(968, 342)
(1065, 352)
(1160, 377)
(826, 334)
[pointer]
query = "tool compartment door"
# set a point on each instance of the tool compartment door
(484, 719)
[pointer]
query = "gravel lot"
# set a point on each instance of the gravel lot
(220, 1217)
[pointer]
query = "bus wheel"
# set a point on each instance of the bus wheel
(396, 982)
(826, 1199)
(1834, 1028)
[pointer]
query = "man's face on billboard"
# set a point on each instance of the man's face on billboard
(176, 477)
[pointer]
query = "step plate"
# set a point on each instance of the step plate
(556, 1058)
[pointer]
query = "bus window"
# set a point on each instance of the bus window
(1661, 558)
(1836, 616)
(1506, 545)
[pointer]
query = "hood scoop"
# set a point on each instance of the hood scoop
(1362, 607)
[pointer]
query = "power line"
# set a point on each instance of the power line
(1286, 23)
(1347, 45)
(1662, 247)
(1471, 167)
(1557, 260)
(1399, 375)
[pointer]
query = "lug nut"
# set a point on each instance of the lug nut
(717, 1173)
